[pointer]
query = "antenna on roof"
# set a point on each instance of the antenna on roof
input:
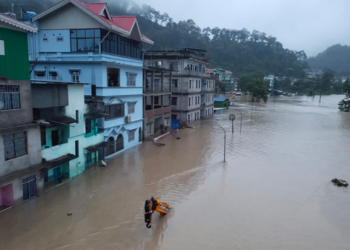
(20, 5)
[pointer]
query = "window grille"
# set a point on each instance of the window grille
(131, 79)
(9, 97)
(131, 135)
(15, 145)
(131, 108)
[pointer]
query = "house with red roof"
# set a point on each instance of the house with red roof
(84, 42)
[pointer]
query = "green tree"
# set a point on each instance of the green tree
(258, 90)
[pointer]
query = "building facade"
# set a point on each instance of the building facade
(192, 88)
(70, 141)
(82, 42)
(20, 152)
(224, 76)
(157, 101)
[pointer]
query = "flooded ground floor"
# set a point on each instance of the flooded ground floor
(273, 191)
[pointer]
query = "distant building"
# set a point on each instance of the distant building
(271, 79)
(20, 150)
(224, 76)
(192, 88)
(157, 85)
(221, 102)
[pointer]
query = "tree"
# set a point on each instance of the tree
(258, 90)
(325, 84)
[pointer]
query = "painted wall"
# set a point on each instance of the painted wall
(69, 17)
(14, 63)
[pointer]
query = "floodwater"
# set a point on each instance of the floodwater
(273, 192)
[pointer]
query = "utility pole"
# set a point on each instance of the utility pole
(21, 10)
(224, 141)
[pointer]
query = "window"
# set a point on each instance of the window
(156, 100)
(77, 116)
(114, 111)
(131, 107)
(54, 137)
(43, 135)
(148, 128)
(39, 73)
(53, 75)
(77, 148)
(189, 101)
(113, 77)
(45, 39)
(59, 39)
(15, 145)
(85, 40)
(173, 100)
(131, 79)
(131, 135)
(9, 97)
(174, 83)
(174, 117)
(166, 122)
(119, 45)
(156, 83)
(87, 126)
(190, 84)
(75, 76)
(2, 48)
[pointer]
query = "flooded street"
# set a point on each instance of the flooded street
(273, 192)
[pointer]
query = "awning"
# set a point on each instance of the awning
(61, 120)
(91, 116)
(58, 161)
(96, 147)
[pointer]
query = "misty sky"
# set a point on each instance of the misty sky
(309, 25)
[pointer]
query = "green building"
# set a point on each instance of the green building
(221, 102)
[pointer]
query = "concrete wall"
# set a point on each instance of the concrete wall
(17, 186)
(20, 116)
(33, 157)
(47, 96)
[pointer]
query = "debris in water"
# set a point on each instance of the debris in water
(69, 214)
(339, 182)
(154, 205)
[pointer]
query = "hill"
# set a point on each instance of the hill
(240, 51)
(335, 58)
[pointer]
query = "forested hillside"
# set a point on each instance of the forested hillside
(241, 51)
(335, 58)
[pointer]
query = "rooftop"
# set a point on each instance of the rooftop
(18, 24)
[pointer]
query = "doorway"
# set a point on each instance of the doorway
(6, 196)
(29, 188)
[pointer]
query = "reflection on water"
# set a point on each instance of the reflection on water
(274, 191)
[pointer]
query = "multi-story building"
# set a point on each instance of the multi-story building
(20, 152)
(192, 88)
(83, 42)
(70, 140)
(225, 76)
(157, 98)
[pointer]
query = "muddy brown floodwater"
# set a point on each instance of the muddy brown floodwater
(273, 192)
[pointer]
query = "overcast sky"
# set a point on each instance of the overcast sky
(309, 25)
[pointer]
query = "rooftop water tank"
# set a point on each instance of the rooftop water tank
(13, 15)
(29, 15)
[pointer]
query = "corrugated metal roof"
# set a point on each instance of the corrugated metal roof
(18, 24)
(229, 72)
(208, 70)
(219, 99)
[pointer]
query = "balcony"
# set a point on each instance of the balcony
(158, 111)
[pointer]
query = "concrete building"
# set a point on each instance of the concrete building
(82, 42)
(20, 152)
(157, 98)
(70, 141)
(271, 80)
(225, 76)
(192, 88)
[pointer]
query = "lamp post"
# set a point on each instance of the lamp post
(224, 141)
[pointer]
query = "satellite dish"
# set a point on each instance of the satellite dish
(2, 105)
